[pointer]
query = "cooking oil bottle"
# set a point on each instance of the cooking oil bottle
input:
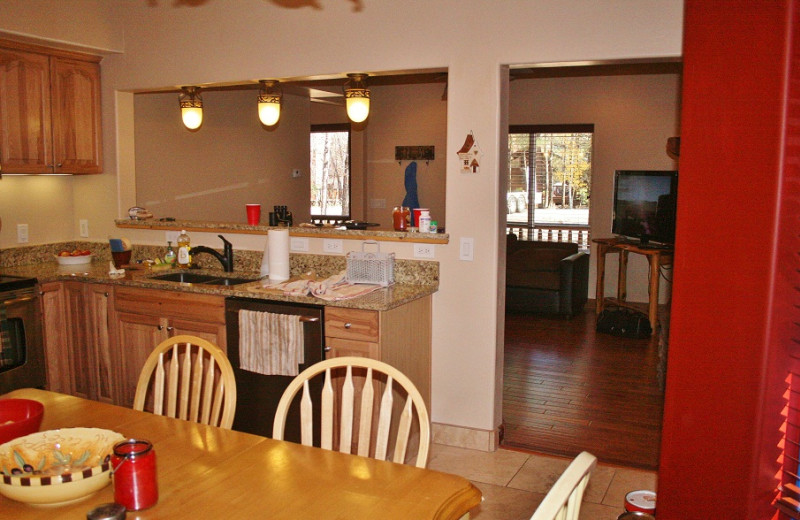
(184, 251)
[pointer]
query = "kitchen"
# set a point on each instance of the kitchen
(462, 407)
(449, 34)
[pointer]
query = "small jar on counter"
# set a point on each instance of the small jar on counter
(400, 217)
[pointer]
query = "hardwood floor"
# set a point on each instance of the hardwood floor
(568, 389)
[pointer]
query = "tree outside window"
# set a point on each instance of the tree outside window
(330, 171)
(550, 170)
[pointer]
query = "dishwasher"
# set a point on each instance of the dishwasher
(258, 395)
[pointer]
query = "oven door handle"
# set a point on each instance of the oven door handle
(22, 299)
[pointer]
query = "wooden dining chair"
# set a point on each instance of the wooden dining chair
(188, 378)
(369, 422)
(563, 501)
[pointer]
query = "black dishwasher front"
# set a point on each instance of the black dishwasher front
(257, 394)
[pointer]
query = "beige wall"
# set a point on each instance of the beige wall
(406, 115)
(169, 43)
(209, 174)
(633, 116)
(230, 161)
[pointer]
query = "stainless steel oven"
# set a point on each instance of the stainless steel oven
(21, 348)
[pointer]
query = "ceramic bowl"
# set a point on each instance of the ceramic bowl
(74, 260)
(57, 466)
(19, 417)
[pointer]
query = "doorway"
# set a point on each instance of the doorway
(606, 389)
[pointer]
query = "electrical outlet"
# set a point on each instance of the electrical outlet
(298, 244)
(295, 173)
(423, 251)
(84, 225)
(332, 246)
(377, 203)
(172, 236)
(466, 249)
(22, 233)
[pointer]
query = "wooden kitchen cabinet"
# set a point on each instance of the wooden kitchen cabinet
(400, 337)
(146, 317)
(79, 352)
(50, 111)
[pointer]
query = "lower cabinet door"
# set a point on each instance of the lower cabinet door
(138, 335)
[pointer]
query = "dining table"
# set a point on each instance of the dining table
(210, 472)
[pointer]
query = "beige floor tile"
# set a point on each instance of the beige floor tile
(503, 503)
(539, 473)
(497, 467)
(626, 480)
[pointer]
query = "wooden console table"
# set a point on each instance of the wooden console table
(656, 257)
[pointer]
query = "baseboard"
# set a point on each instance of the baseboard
(462, 437)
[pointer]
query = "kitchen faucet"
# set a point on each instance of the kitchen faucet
(225, 259)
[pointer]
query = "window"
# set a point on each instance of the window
(330, 171)
(549, 182)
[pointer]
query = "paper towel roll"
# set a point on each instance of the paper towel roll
(265, 260)
(278, 243)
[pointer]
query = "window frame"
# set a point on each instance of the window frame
(334, 127)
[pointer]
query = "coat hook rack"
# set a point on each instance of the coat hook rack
(414, 153)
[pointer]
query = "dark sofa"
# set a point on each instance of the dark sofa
(546, 277)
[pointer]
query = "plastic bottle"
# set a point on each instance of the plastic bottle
(184, 251)
(424, 222)
(169, 256)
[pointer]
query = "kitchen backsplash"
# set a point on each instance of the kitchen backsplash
(414, 272)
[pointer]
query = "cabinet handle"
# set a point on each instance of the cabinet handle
(160, 327)
(327, 349)
(348, 325)
(170, 329)
(105, 294)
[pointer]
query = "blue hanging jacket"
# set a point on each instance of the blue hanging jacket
(411, 200)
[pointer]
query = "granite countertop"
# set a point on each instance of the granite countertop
(97, 272)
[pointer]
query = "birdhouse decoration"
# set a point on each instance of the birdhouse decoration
(470, 155)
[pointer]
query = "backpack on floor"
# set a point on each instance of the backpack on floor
(628, 323)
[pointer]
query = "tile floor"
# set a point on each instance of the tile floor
(513, 483)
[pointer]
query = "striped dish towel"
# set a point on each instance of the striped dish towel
(270, 343)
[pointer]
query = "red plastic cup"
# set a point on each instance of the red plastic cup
(253, 214)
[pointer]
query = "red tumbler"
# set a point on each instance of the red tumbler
(135, 485)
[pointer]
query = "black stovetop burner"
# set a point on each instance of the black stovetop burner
(13, 283)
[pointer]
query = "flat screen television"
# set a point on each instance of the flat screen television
(644, 205)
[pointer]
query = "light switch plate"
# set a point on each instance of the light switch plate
(466, 249)
(22, 233)
(84, 227)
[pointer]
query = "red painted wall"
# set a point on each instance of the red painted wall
(725, 376)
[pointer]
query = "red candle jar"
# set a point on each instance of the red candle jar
(400, 217)
(134, 463)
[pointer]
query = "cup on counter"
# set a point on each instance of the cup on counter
(415, 213)
(121, 258)
(253, 214)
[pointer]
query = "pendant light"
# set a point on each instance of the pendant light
(269, 102)
(191, 107)
(356, 96)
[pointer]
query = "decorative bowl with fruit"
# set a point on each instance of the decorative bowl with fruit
(56, 466)
(74, 257)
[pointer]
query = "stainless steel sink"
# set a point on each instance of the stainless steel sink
(204, 279)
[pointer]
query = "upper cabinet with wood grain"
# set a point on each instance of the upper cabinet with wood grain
(50, 120)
